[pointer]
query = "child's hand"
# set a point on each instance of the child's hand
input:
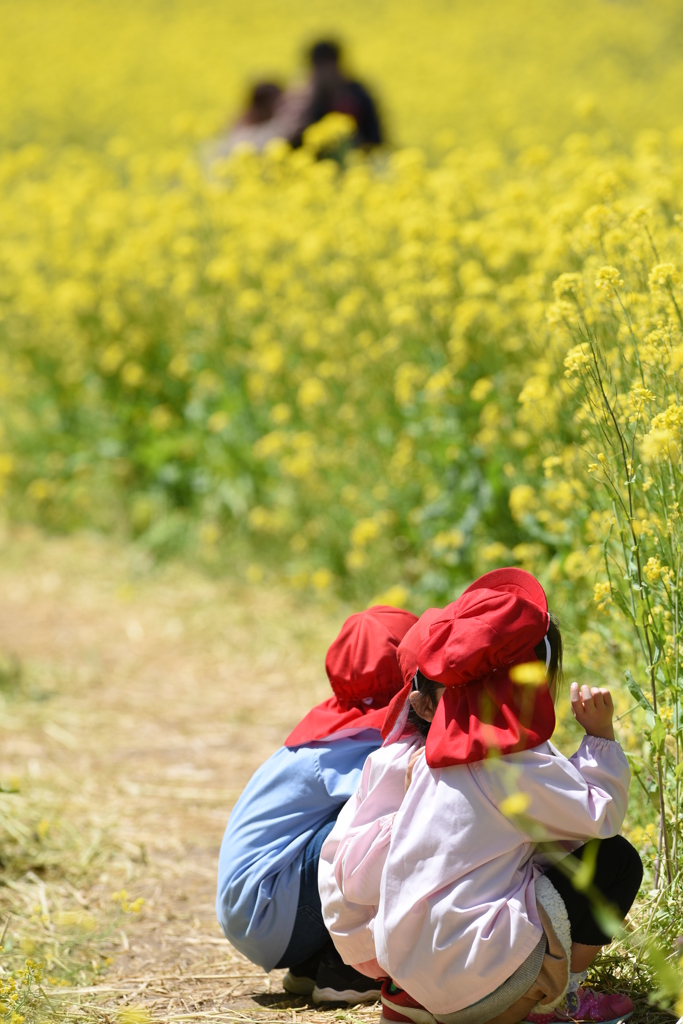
(593, 709)
(411, 765)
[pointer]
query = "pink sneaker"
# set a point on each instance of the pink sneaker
(585, 1004)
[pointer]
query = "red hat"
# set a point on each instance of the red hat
(408, 650)
(363, 672)
(471, 647)
(361, 662)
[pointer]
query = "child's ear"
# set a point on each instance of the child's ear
(422, 706)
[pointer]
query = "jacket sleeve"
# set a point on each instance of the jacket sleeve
(360, 860)
(353, 855)
(550, 797)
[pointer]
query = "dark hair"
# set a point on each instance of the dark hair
(264, 92)
(429, 689)
(324, 51)
(555, 666)
(263, 97)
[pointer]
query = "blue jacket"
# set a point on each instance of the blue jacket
(288, 799)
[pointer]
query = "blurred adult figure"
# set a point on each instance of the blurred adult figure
(332, 91)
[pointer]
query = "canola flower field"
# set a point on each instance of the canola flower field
(376, 377)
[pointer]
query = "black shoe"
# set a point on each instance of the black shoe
(336, 982)
(300, 979)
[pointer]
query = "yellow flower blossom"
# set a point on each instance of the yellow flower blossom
(658, 445)
(396, 597)
(663, 276)
(312, 393)
(496, 552)
(448, 540)
(568, 287)
(322, 579)
(523, 501)
(132, 374)
(514, 805)
(576, 359)
(409, 377)
(608, 279)
(602, 595)
(481, 389)
(364, 531)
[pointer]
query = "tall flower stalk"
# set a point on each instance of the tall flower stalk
(623, 370)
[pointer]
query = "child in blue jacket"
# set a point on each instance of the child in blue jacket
(268, 903)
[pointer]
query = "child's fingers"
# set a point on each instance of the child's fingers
(608, 699)
(587, 697)
(575, 699)
(602, 698)
(598, 696)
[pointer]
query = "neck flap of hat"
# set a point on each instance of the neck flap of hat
(363, 671)
(334, 719)
(471, 649)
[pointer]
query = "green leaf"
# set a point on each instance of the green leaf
(622, 603)
(658, 733)
(584, 874)
(636, 692)
(666, 975)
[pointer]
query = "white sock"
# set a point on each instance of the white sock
(576, 978)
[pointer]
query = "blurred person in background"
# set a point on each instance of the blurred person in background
(271, 113)
(332, 92)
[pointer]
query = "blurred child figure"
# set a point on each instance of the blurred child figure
(268, 903)
(271, 113)
(331, 91)
(471, 927)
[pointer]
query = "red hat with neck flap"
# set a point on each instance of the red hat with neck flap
(471, 648)
(363, 672)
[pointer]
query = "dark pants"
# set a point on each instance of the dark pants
(309, 935)
(617, 878)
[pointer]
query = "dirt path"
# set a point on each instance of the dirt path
(167, 690)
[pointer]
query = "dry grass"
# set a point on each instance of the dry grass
(137, 703)
(141, 704)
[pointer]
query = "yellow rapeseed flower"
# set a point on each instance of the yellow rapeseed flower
(608, 279)
(396, 597)
(523, 501)
(514, 805)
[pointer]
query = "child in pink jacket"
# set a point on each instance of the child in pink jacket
(453, 889)
(472, 926)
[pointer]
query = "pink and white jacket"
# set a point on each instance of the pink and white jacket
(457, 912)
(353, 855)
